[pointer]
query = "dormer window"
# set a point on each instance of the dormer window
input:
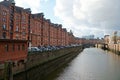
(4, 27)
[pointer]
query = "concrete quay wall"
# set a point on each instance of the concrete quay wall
(39, 64)
(114, 47)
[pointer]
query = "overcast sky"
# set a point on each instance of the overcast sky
(83, 17)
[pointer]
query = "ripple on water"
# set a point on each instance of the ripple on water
(93, 64)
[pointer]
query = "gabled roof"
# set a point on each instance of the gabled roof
(18, 9)
(5, 3)
(28, 10)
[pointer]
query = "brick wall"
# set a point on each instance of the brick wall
(12, 50)
(4, 22)
(46, 33)
(42, 32)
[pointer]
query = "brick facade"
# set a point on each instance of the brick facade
(13, 21)
(4, 22)
(45, 32)
(19, 27)
(14, 50)
(59, 35)
(18, 23)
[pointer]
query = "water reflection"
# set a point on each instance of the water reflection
(93, 64)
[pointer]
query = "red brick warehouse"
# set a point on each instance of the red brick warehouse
(13, 32)
(18, 23)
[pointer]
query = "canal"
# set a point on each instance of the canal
(91, 64)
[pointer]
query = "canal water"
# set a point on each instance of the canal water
(91, 64)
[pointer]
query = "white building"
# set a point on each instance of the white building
(115, 37)
(88, 37)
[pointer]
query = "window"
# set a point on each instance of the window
(24, 27)
(4, 20)
(23, 47)
(6, 48)
(4, 35)
(18, 47)
(4, 27)
(23, 38)
(11, 28)
(17, 17)
(23, 17)
(17, 29)
(23, 33)
(17, 36)
(4, 13)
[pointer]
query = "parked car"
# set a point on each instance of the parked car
(33, 49)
